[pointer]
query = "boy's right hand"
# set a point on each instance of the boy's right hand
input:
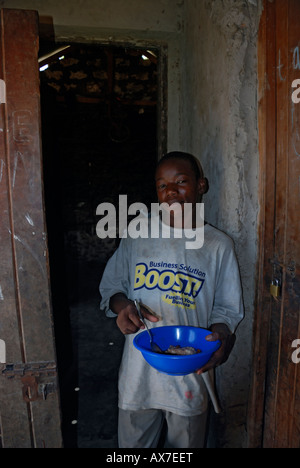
(128, 320)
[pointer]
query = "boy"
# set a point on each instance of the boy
(205, 292)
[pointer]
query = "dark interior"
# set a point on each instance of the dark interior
(99, 134)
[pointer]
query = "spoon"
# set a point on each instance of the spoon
(154, 347)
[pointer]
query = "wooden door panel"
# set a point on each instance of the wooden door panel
(274, 402)
(281, 392)
(29, 406)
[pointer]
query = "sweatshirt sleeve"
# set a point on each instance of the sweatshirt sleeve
(115, 278)
(228, 301)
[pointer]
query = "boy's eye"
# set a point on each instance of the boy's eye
(161, 186)
(181, 181)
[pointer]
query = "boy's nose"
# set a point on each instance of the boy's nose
(171, 188)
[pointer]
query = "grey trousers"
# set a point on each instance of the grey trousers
(142, 429)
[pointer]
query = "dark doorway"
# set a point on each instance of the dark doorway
(99, 134)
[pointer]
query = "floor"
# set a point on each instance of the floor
(90, 390)
(99, 344)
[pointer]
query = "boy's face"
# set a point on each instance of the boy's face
(176, 182)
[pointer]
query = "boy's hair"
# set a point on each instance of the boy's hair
(195, 164)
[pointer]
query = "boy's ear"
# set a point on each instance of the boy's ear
(203, 185)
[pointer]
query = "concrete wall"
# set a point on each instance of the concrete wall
(219, 125)
(145, 15)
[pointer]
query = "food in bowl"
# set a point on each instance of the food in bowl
(182, 335)
(182, 350)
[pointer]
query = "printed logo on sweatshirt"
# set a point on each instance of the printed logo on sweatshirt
(180, 288)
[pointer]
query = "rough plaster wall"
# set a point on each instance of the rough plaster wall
(219, 118)
(151, 15)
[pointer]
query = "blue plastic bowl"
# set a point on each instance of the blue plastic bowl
(176, 335)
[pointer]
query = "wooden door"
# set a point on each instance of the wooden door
(29, 405)
(274, 414)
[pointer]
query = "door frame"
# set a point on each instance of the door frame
(29, 396)
(262, 309)
(270, 314)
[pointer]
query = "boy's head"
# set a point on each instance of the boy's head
(194, 163)
(175, 164)
(180, 182)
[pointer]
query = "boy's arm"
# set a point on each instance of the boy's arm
(227, 311)
(221, 332)
(128, 320)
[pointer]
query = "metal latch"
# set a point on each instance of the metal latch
(276, 284)
(275, 288)
(30, 388)
(39, 379)
(33, 390)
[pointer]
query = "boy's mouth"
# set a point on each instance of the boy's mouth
(174, 200)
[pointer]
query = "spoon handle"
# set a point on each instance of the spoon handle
(137, 305)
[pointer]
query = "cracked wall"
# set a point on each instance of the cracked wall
(219, 118)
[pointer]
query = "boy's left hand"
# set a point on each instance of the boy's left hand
(221, 332)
